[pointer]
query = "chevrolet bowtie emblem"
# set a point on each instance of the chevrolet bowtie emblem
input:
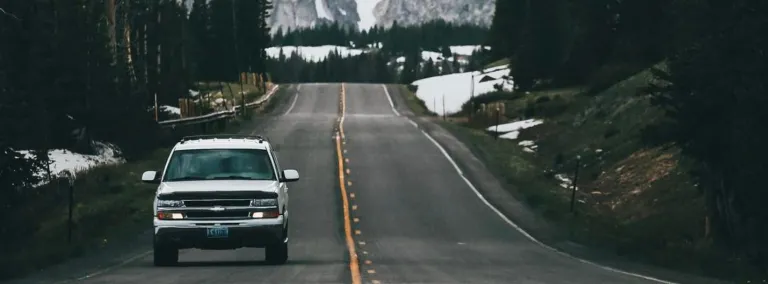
(218, 209)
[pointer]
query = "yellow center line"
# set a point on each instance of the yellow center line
(354, 265)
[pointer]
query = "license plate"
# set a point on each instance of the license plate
(218, 232)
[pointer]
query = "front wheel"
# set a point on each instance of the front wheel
(165, 255)
(277, 254)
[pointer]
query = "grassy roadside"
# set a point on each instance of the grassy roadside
(231, 91)
(635, 199)
(111, 204)
(417, 106)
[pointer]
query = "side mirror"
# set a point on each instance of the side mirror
(290, 175)
(150, 177)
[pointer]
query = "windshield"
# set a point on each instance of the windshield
(220, 164)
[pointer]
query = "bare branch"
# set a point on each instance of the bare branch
(9, 14)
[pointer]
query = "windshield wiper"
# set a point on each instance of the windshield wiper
(186, 178)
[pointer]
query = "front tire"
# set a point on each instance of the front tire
(165, 255)
(277, 254)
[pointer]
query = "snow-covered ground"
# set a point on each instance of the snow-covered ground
(456, 88)
(512, 130)
(464, 49)
(167, 108)
(63, 160)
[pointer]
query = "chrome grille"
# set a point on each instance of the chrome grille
(219, 202)
(214, 215)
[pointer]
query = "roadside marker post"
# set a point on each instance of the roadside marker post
(573, 185)
(70, 179)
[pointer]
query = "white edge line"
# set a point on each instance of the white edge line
(523, 232)
(293, 104)
(389, 98)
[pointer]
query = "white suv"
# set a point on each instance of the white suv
(221, 192)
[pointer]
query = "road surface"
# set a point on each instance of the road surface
(411, 217)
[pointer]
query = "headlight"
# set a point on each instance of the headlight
(263, 202)
(170, 203)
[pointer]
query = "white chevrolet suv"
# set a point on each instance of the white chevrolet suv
(220, 192)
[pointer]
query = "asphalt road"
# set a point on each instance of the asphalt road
(412, 218)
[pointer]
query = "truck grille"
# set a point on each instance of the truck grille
(229, 205)
(214, 203)
(217, 195)
(213, 215)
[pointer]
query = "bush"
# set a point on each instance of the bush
(611, 74)
(544, 107)
(543, 99)
(487, 98)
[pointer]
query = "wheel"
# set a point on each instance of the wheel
(165, 255)
(277, 253)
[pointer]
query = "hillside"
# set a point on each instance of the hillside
(634, 198)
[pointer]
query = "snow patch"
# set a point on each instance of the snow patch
(514, 126)
(342, 11)
(464, 49)
(565, 182)
(171, 109)
(65, 160)
(457, 87)
(528, 146)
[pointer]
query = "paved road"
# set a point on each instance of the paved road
(412, 218)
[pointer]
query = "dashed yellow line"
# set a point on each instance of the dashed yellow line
(354, 265)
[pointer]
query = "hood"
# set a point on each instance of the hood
(218, 185)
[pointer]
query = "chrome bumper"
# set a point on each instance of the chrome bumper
(184, 234)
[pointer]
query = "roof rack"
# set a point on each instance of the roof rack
(224, 136)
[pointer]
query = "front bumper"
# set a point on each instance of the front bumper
(256, 233)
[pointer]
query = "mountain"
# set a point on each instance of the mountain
(364, 14)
